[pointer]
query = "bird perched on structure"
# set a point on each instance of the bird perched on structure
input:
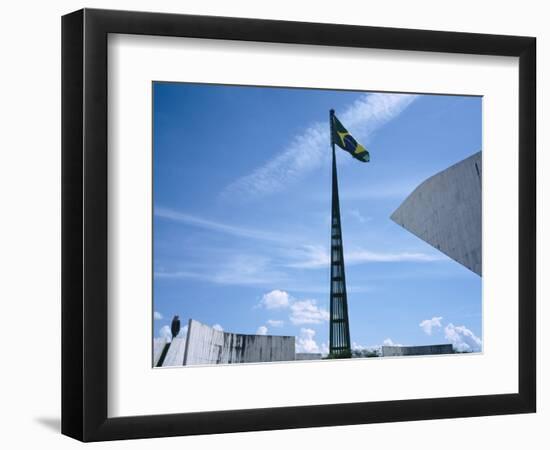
(176, 326)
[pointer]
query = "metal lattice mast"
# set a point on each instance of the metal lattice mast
(339, 345)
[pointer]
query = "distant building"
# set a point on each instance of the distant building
(206, 345)
(445, 212)
(395, 350)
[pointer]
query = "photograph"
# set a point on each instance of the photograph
(266, 225)
(298, 224)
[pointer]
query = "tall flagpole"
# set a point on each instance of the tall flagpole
(339, 338)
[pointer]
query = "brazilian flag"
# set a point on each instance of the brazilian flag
(344, 140)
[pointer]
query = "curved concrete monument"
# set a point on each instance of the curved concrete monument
(445, 212)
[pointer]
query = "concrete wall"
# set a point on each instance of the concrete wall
(445, 211)
(440, 349)
(158, 347)
(176, 353)
(206, 345)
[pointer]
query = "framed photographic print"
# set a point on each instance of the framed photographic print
(273, 224)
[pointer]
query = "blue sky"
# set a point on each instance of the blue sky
(242, 193)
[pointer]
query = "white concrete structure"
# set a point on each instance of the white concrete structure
(176, 352)
(397, 350)
(206, 345)
(158, 347)
(445, 211)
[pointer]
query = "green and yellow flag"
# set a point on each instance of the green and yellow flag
(344, 140)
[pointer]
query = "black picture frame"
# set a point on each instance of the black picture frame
(84, 224)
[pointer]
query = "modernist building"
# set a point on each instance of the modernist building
(394, 350)
(445, 212)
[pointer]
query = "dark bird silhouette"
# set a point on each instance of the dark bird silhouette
(176, 326)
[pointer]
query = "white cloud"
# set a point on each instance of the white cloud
(389, 342)
(371, 111)
(157, 316)
(463, 339)
(365, 350)
(301, 311)
(262, 330)
(307, 311)
(305, 342)
(308, 151)
(370, 348)
(429, 324)
(217, 326)
(275, 299)
(166, 333)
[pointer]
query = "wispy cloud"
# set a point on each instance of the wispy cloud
(365, 256)
(389, 190)
(270, 262)
(309, 257)
(308, 151)
(295, 285)
(356, 214)
(200, 222)
(240, 270)
(318, 257)
(394, 190)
